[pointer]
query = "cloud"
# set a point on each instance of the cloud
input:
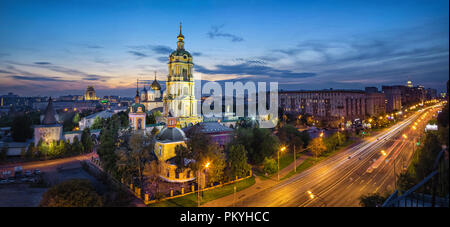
(249, 68)
(215, 32)
(25, 75)
(138, 54)
(93, 77)
(160, 49)
(162, 59)
(4, 71)
(39, 78)
(42, 63)
(197, 54)
(93, 46)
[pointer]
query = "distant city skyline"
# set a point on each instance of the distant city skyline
(61, 47)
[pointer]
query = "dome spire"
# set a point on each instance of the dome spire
(180, 36)
(180, 43)
(137, 98)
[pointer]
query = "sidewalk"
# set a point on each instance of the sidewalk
(259, 185)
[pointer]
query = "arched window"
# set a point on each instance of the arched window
(139, 125)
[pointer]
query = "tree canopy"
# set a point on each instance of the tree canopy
(72, 193)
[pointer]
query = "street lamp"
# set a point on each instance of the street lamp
(278, 166)
(198, 182)
(383, 152)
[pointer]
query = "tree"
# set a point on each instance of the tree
(152, 171)
(76, 119)
(98, 123)
(155, 131)
(140, 153)
(86, 141)
(426, 155)
(290, 136)
(258, 142)
(237, 161)
(4, 152)
(30, 153)
(372, 200)
(72, 193)
(270, 165)
(21, 128)
(77, 147)
(181, 153)
(106, 151)
(215, 172)
(405, 181)
(317, 146)
(150, 119)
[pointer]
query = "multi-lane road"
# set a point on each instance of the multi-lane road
(340, 180)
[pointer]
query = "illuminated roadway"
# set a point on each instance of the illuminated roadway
(340, 180)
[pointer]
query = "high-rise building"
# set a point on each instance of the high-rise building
(375, 102)
(393, 98)
(179, 100)
(409, 84)
(90, 93)
(333, 106)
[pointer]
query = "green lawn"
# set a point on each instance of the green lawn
(210, 195)
(285, 160)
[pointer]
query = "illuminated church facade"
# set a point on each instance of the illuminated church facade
(179, 99)
(151, 98)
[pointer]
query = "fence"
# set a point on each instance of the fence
(418, 195)
(145, 197)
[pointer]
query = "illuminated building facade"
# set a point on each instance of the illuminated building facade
(137, 113)
(179, 99)
(90, 93)
(325, 105)
(165, 143)
(151, 98)
(49, 130)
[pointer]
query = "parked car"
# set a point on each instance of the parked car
(37, 171)
(28, 173)
(18, 171)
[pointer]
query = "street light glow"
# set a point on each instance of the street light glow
(383, 153)
(405, 136)
(207, 165)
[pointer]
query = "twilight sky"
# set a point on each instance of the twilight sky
(60, 47)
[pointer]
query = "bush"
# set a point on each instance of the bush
(72, 193)
(270, 165)
(372, 200)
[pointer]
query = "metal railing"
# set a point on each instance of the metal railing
(418, 195)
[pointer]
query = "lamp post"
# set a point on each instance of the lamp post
(278, 166)
(295, 161)
(198, 182)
